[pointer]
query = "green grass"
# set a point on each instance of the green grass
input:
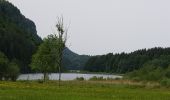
(80, 90)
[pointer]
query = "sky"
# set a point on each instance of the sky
(103, 26)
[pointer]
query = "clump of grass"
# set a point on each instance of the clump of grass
(40, 81)
(95, 78)
(109, 78)
(80, 79)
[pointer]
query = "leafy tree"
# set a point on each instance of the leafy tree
(45, 58)
(50, 53)
(13, 71)
(3, 65)
(8, 70)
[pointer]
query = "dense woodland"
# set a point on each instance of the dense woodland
(125, 62)
(18, 36)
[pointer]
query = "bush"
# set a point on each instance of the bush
(95, 78)
(167, 73)
(147, 73)
(40, 81)
(165, 82)
(136, 79)
(13, 71)
(3, 65)
(80, 79)
(8, 70)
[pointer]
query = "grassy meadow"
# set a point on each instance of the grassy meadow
(82, 90)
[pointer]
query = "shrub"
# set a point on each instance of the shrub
(80, 79)
(136, 79)
(13, 71)
(167, 73)
(8, 70)
(165, 82)
(95, 78)
(40, 81)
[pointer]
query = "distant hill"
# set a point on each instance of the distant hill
(74, 61)
(18, 35)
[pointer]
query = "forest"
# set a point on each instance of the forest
(127, 62)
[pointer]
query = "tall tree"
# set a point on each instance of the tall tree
(49, 55)
(62, 35)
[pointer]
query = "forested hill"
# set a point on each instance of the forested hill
(18, 35)
(19, 39)
(127, 62)
(74, 61)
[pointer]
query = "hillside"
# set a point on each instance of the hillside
(19, 39)
(74, 61)
(18, 35)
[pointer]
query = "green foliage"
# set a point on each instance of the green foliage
(154, 70)
(8, 70)
(165, 82)
(3, 65)
(13, 71)
(47, 57)
(127, 62)
(18, 36)
(167, 72)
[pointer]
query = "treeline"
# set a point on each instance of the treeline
(125, 62)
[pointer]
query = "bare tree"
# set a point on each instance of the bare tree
(62, 35)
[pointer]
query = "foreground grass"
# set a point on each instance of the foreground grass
(80, 90)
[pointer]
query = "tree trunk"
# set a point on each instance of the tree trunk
(45, 76)
(59, 76)
(60, 64)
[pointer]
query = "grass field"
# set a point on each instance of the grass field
(81, 90)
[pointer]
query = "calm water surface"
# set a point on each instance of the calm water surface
(65, 76)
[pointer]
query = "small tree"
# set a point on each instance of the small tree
(45, 58)
(49, 55)
(8, 70)
(13, 71)
(3, 65)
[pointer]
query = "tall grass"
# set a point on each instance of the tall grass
(79, 90)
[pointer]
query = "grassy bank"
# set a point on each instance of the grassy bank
(82, 90)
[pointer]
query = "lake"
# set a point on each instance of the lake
(65, 76)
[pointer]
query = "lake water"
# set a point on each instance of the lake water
(65, 76)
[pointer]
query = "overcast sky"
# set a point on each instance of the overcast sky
(103, 26)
